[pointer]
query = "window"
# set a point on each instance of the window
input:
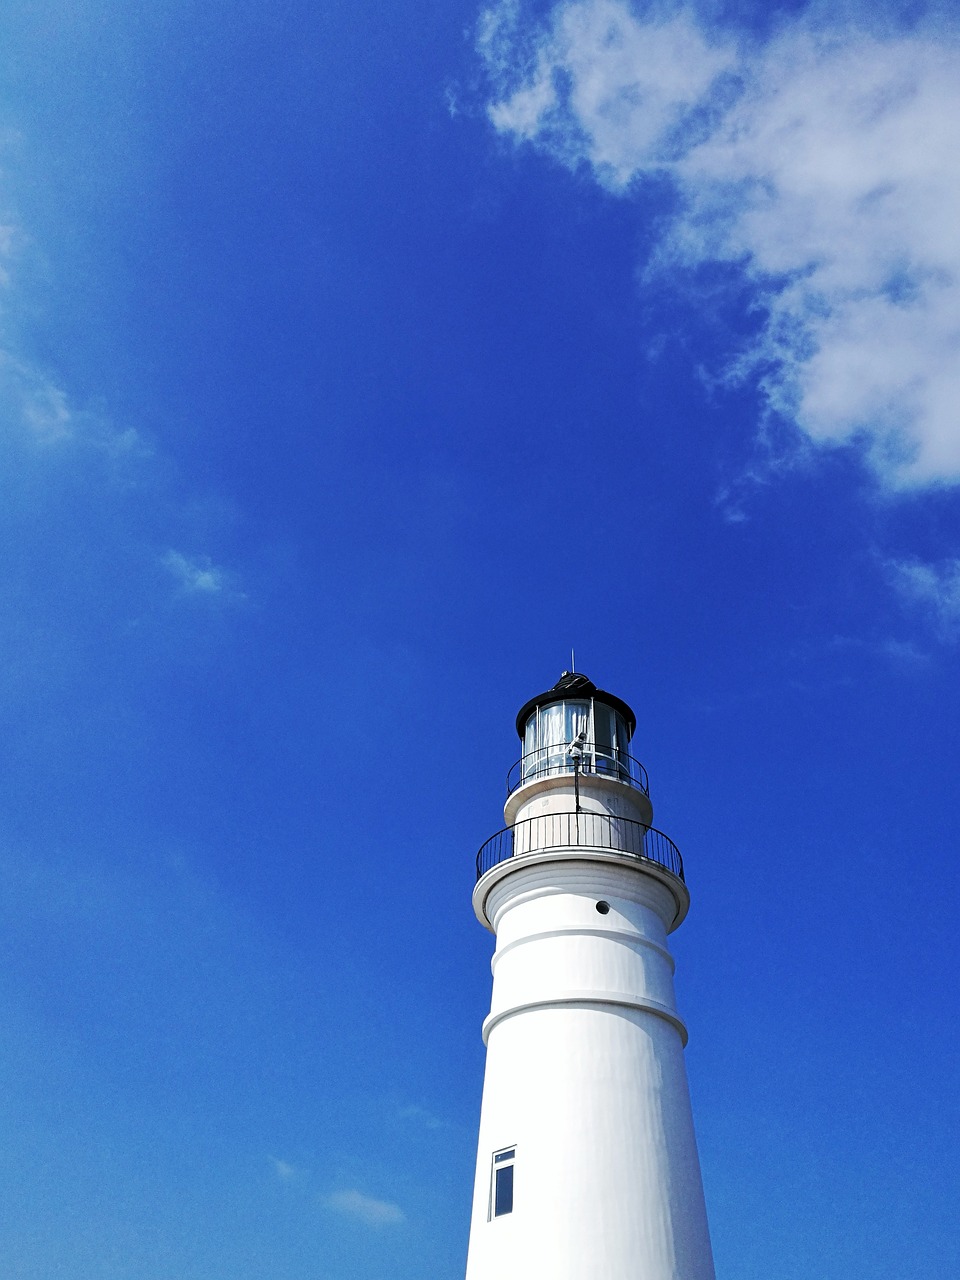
(547, 735)
(501, 1187)
(603, 730)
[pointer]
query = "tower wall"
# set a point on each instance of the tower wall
(585, 1078)
(558, 795)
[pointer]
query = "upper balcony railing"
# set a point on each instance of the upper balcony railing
(549, 832)
(608, 762)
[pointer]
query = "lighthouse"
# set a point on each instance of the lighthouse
(587, 1164)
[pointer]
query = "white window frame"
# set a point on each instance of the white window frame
(503, 1158)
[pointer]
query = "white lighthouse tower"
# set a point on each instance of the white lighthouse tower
(587, 1166)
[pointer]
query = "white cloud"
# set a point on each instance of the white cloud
(36, 411)
(40, 406)
(934, 589)
(601, 85)
(200, 576)
(375, 1213)
(94, 511)
(37, 414)
(30, 402)
(8, 240)
(825, 164)
(285, 1171)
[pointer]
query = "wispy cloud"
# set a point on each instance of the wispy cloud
(933, 589)
(375, 1213)
(49, 441)
(35, 409)
(199, 576)
(285, 1171)
(421, 1116)
(887, 648)
(823, 165)
(38, 414)
(40, 406)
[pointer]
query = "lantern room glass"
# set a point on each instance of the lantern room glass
(551, 729)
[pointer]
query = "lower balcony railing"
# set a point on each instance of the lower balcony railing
(549, 831)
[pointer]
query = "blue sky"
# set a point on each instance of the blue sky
(357, 361)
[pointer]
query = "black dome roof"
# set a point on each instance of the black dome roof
(573, 685)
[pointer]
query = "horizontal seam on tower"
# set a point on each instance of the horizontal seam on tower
(619, 934)
(620, 999)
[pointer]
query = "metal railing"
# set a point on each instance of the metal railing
(550, 831)
(608, 762)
